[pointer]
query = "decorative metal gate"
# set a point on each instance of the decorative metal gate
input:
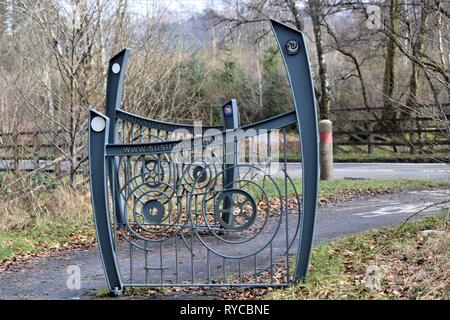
(178, 205)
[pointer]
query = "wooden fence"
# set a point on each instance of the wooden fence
(30, 151)
(369, 128)
(360, 128)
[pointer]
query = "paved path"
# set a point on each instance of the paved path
(46, 278)
(436, 171)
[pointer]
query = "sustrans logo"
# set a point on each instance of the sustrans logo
(292, 47)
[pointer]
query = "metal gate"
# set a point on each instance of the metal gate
(181, 205)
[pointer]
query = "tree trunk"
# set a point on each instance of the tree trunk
(2, 20)
(101, 57)
(325, 99)
(120, 27)
(389, 68)
(295, 14)
(414, 83)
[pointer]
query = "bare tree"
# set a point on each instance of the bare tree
(62, 85)
(317, 15)
(255, 12)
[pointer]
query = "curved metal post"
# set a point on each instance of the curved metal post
(230, 120)
(295, 55)
(114, 89)
(98, 135)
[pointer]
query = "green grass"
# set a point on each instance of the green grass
(102, 293)
(338, 269)
(383, 156)
(25, 153)
(378, 155)
(335, 188)
(45, 235)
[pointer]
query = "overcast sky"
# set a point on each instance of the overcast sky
(181, 6)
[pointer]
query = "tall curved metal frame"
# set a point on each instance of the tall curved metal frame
(201, 223)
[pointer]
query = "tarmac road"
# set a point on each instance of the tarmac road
(436, 171)
(349, 170)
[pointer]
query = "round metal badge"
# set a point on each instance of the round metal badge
(292, 47)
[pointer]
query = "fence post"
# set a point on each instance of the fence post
(35, 151)
(370, 136)
(326, 149)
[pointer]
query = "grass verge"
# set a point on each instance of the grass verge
(392, 157)
(379, 156)
(46, 236)
(338, 190)
(48, 220)
(388, 263)
(344, 189)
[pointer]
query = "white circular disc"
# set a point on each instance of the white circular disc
(116, 68)
(98, 124)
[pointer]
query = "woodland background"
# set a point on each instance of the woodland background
(381, 71)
